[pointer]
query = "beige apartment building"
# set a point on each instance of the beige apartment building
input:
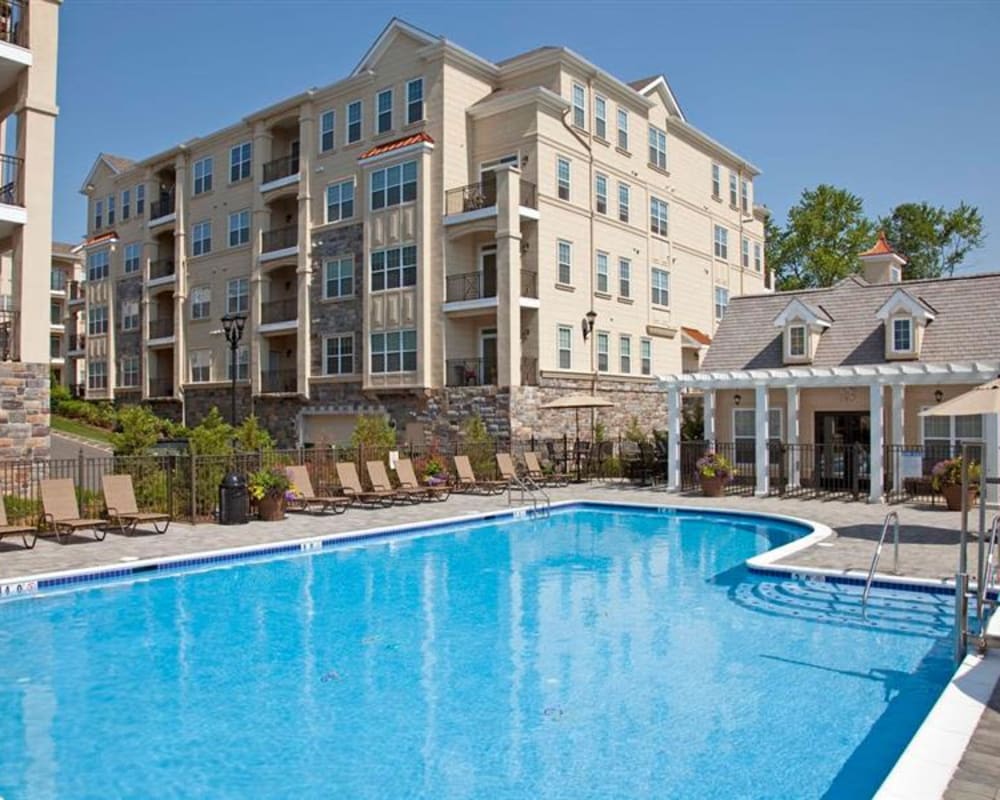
(66, 317)
(430, 237)
(29, 34)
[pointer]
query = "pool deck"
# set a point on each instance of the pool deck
(928, 550)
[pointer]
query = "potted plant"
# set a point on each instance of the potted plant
(268, 489)
(715, 471)
(946, 477)
(434, 472)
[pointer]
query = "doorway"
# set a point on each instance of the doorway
(488, 356)
(842, 449)
(488, 271)
(488, 178)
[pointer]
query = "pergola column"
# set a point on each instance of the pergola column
(792, 438)
(762, 436)
(674, 439)
(898, 433)
(877, 444)
(708, 409)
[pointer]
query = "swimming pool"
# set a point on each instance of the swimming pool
(596, 653)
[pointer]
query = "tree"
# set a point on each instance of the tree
(934, 240)
(373, 435)
(774, 247)
(212, 436)
(250, 436)
(139, 430)
(826, 231)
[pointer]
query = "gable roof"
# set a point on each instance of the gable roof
(385, 39)
(965, 325)
(799, 309)
(658, 84)
(901, 298)
(117, 165)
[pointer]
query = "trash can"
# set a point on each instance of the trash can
(234, 500)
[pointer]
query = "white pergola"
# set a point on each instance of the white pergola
(792, 379)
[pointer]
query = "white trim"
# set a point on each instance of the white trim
(660, 84)
(384, 40)
(279, 183)
(545, 98)
(171, 217)
(479, 304)
(274, 255)
(902, 299)
(798, 310)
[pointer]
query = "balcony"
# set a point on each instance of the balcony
(161, 328)
(12, 23)
(278, 169)
(483, 372)
(11, 193)
(279, 381)
(161, 387)
(280, 239)
(161, 268)
(275, 311)
(479, 285)
(480, 197)
(57, 282)
(9, 321)
(76, 343)
(76, 292)
(162, 210)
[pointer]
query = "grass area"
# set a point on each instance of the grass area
(77, 428)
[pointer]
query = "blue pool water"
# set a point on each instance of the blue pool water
(595, 654)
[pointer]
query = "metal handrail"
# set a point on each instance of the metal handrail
(893, 517)
(989, 574)
(527, 484)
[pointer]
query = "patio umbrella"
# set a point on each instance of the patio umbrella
(984, 399)
(576, 402)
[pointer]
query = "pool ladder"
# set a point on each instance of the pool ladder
(892, 517)
(532, 489)
(984, 602)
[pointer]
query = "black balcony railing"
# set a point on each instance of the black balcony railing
(279, 238)
(484, 195)
(76, 292)
(76, 343)
(477, 285)
(281, 168)
(286, 310)
(12, 27)
(470, 372)
(161, 328)
(10, 180)
(9, 326)
(279, 381)
(161, 387)
(162, 207)
(161, 268)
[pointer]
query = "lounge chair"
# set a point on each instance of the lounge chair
(24, 531)
(408, 480)
(467, 481)
(62, 513)
(347, 474)
(379, 479)
(308, 500)
(506, 468)
(119, 497)
(538, 475)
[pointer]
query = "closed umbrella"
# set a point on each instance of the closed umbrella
(576, 402)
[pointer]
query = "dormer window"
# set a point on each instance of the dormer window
(906, 318)
(801, 325)
(895, 275)
(902, 335)
(797, 341)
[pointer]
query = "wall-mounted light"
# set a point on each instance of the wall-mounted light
(938, 396)
(737, 399)
(587, 323)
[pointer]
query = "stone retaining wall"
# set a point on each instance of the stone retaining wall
(24, 410)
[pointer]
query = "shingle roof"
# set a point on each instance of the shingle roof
(966, 326)
(880, 248)
(396, 145)
(642, 83)
(118, 163)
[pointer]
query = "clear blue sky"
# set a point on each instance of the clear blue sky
(895, 101)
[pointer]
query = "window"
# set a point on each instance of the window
(97, 265)
(602, 272)
(623, 201)
(340, 201)
(745, 432)
(797, 341)
(327, 125)
(128, 371)
(201, 366)
(240, 158)
(623, 129)
(338, 277)
(201, 302)
(902, 335)
(97, 317)
(55, 314)
(203, 175)
(394, 352)
(97, 374)
(745, 196)
(579, 106)
(238, 296)
(565, 345)
(944, 436)
(624, 277)
(659, 211)
(130, 315)
(338, 355)
(895, 275)
(383, 111)
(98, 213)
(660, 283)
(239, 227)
(242, 363)
(600, 117)
(562, 177)
(133, 252)
(414, 101)
(757, 257)
(716, 181)
(394, 185)
(745, 253)
(602, 352)
(721, 301)
(732, 189)
(354, 122)
(140, 200)
(625, 353)
(111, 209)
(721, 242)
(601, 193)
(646, 356)
(657, 147)
(565, 261)
(394, 268)
(57, 280)
(201, 238)
(126, 204)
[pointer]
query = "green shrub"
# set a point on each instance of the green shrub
(373, 437)
(250, 437)
(479, 446)
(22, 509)
(139, 430)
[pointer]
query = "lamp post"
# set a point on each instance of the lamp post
(587, 325)
(232, 325)
(233, 498)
